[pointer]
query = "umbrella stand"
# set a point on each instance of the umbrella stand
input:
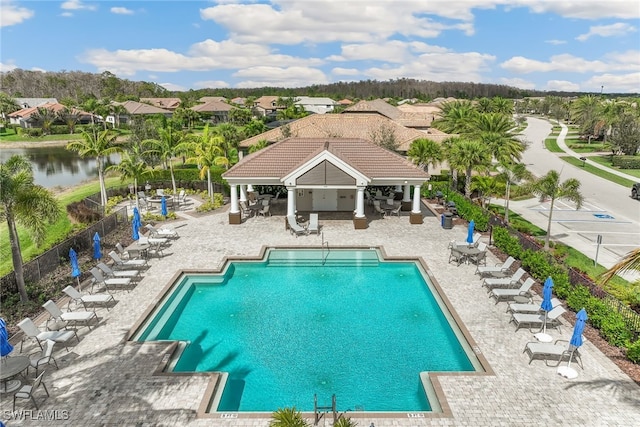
(568, 371)
(544, 336)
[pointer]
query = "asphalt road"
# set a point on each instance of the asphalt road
(608, 208)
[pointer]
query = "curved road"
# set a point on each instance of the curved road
(608, 209)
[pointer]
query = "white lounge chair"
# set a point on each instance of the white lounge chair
(295, 228)
(505, 282)
(533, 308)
(167, 233)
(556, 353)
(43, 357)
(501, 294)
(30, 330)
(134, 275)
(27, 390)
(536, 321)
(124, 264)
(497, 270)
(313, 226)
(86, 300)
(115, 282)
(75, 318)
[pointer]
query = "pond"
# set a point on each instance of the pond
(56, 166)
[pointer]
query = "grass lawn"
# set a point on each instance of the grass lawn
(599, 172)
(605, 160)
(552, 145)
(55, 232)
(11, 136)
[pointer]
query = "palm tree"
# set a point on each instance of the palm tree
(487, 186)
(455, 116)
(584, 112)
(204, 150)
(287, 417)
(512, 173)
(7, 105)
(69, 117)
(25, 203)
(550, 187)
(469, 154)
(165, 148)
(630, 262)
(263, 143)
(495, 131)
(424, 152)
(45, 118)
(98, 145)
(133, 167)
(484, 105)
(502, 105)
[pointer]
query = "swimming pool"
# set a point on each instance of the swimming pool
(306, 322)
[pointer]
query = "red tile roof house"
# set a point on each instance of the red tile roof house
(136, 109)
(326, 174)
(25, 117)
(267, 106)
(164, 103)
(217, 110)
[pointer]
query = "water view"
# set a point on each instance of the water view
(57, 166)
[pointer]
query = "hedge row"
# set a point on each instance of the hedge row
(541, 265)
(466, 208)
(626, 162)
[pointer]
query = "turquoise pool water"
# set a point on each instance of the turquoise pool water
(290, 327)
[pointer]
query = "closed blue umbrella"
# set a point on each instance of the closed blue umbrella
(97, 254)
(472, 225)
(5, 345)
(135, 224)
(546, 306)
(163, 206)
(75, 269)
(574, 343)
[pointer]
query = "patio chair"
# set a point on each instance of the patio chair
(27, 391)
(497, 270)
(265, 210)
(43, 357)
(533, 308)
(396, 211)
(166, 233)
(505, 282)
(456, 256)
(475, 241)
(77, 298)
(555, 353)
(294, 227)
(74, 318)
(313, 226)
(30, 330)
(536, 321)
(377, 208)
(501, 294)
(134, 275)
(116, 282)
(122, 251)
(154, 246)
(480, 257)
(182, 198)
(130, 263)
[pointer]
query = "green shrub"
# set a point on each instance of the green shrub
(598, 312)
(537, 263)
(626, 162)
(60, 130)
(34, 132)
(578, 297)
(614, 330)
(633, 351)
(506, 242)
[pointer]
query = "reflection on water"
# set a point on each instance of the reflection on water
(57, 166)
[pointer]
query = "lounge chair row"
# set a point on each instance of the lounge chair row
(312, 227)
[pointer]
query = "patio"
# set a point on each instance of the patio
(104, 380)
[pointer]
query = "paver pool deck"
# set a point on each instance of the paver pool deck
(104, 380)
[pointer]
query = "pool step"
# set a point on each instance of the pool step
(312, 258)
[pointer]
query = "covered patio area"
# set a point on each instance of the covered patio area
(328, 175)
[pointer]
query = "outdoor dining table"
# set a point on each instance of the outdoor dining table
(387, 207)
(137, 249)
(10, 367)
(468, 251)
(158, 200)
(265, 196)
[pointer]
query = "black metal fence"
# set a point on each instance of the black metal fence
(577, 278)
(44, 264)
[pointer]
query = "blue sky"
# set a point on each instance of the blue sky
(580, 45)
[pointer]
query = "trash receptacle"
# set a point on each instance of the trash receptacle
(447, 220)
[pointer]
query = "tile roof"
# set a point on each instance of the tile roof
(268, 102)
(360, 125)
(212, 98)
(212, 107)
(134, 107)
(345, 102)
(412, 119)
(283, 157)
(34, 102)
(26, 113)
(168, 103)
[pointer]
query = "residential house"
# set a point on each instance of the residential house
(165, 103)
(217, 111)
(26, 117)
(316, 105)
(134, 108)
(345, 102)
(415, 119)
(267, 106)
(239, 101)
(212, 98)
(34, 102)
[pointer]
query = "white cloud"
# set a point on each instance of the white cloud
(586, 9)
(7, 66)
(555, 42)
(66, 14)
(42, 70)
(562, 85)
(172, 86)
(10, 14)
(628, 83)
(203, 56)
(617, 29)
(121, 11)
(210, 84)
(392, 51)
(519, 83)
(338, 71)
(282, 77)
(77, 5)
(568, 63)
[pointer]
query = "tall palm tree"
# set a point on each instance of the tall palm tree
(455, 116)
(131, 166)
(204, 149)
(99, 145)
(70, 117)
(584, 112)
(165, 147)
(44, 117)
(496, 132)
(512, 173)
(25, 203)
(487, 186)
(424, 152)
(550, 187)
(467, 155)
(7, 105)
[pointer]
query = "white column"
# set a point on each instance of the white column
(406, 194)
(398, 188)
(416, 199)
(234, 199)
(291, 201)
(243, 193)
(249, 187)
(360, 202)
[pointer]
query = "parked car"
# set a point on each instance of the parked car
(635, 191)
